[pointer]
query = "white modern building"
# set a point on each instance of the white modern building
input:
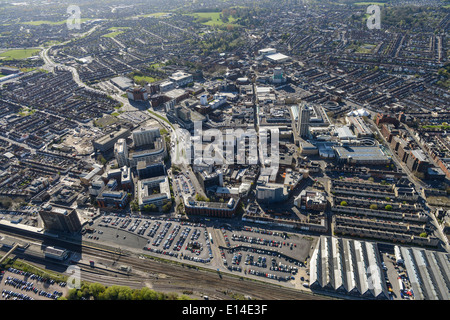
(145, 136)
(121, 152)
(181, 78)
(267, 51)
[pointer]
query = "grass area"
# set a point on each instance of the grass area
(118, 28)
(139, 79)
(366, 48)
(442, 127)
(211, 18)
(26, 112)
(22, 265)
(18, 54)
(155, 66)
(112, 34)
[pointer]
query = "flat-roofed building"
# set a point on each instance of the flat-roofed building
(211, 209)
(345, 134)
(155, 190)
(154, 152)
(181, 78)
(97, 184)
(121, 152)
(417, 161)
(145, 135)
(150, 169)
(277, 58)
(56, 253)
(106, 142)
(166, 86)
(267, 51)
(356, 155)
(111, 198)
(137, 93)
(123, 83)
(311, 200)
(60, 218)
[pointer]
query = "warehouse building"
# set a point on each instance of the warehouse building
(428, 272)
(277, 58)
(361, 155)
(347, 267)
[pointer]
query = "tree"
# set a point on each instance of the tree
(343, 203)
(101, 159)
(388, 207)
(166, 208)
(423, 235)
(373, 207)
(150, 208)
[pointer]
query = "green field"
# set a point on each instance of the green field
(112, 34)
(144, 78)
(213, 18)
(442, 127)
(18, 54)
(118, 28)
(366, 48)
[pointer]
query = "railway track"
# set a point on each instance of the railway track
(188, 277)
(176, 276)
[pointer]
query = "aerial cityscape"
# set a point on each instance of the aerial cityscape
(251, 150)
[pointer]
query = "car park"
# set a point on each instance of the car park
(20, 285)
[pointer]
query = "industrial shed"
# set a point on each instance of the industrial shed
(428, 272)
(348, 267)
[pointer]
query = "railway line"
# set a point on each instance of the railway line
(171, 277)
(187, 277)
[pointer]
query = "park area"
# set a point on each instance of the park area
(18, 54)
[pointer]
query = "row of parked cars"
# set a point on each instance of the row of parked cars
(183, 237)
(269, 275)
(256, 240)
(36, 277)
(7, 294)
(153, 230)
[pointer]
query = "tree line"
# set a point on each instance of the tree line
(97, 291)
